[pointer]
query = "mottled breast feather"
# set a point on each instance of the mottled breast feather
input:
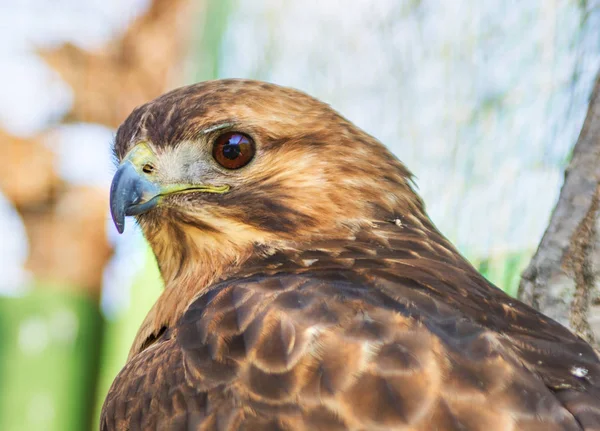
(390, 331)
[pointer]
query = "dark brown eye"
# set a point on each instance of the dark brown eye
(232, 150)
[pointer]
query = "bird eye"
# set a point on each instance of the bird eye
(233, 150)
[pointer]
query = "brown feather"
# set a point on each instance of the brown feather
(320, 296)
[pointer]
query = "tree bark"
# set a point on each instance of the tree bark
(561, 279)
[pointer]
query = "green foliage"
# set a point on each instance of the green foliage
(48, 360)
(504, 270)
(121, 331)
(208, 41)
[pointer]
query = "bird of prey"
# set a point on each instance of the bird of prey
(307, 289)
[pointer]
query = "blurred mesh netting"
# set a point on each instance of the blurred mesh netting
(482, 100)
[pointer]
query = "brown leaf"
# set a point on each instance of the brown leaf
(27, 176)
(134, 68)
(68, 241)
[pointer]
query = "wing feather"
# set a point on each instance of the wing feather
(405, 337)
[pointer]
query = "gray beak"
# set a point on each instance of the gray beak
(131, 193)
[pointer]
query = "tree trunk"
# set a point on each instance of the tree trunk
(560, 280)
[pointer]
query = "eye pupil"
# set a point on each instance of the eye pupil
(233, 150)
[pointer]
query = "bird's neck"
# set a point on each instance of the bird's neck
(192, 260)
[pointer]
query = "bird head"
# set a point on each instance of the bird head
(215, 171)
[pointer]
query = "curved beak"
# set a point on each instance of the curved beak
(131, 193)
(134, 191)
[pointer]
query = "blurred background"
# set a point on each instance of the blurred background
(482, 100)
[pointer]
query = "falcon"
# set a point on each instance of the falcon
(307, 289)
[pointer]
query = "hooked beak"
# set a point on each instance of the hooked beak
(131, 194)
(135, 190)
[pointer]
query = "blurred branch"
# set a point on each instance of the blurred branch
(136, 67)
(68, 245)
(66, 224)
(560, 280)
(27, 177)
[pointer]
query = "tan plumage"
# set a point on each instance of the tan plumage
(317, 294)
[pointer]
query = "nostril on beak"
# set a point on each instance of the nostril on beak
(148, 168)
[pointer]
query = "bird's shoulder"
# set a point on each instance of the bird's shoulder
(388, 331)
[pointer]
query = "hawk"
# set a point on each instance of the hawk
(307, 289)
